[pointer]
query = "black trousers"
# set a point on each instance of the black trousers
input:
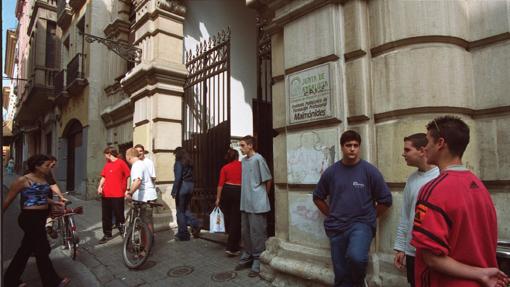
(410, 269)
(34, 241)
(112, 205)
(230, 205)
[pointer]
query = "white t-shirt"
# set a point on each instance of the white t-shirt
(150, 166)
(146, 191)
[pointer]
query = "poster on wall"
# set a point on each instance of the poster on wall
(309, 95)
(309, 153)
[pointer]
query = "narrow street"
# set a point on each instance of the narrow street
(194, 263)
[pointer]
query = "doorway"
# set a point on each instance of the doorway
(74, 135)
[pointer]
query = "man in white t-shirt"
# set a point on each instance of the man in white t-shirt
(147, 161)
(142, 187)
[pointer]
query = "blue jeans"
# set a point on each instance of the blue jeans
(184, 216)
(349, 253)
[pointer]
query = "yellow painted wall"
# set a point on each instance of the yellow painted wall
(76, 108)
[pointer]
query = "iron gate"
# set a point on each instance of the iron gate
(263, 110)
(206, 117)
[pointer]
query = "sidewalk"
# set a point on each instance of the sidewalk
(172, 263)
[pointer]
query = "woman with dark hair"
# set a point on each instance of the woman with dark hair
(35, 198)
(182, 192)
(229, 194)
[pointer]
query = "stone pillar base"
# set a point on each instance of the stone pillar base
(289, 264)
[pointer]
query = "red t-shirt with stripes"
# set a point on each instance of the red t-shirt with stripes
(455, 216)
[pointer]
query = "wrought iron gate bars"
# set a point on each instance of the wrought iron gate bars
(206, 116)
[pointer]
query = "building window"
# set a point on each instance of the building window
(51, 44)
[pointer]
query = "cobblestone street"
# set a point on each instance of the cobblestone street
(193, 263)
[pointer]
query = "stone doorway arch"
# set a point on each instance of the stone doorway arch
(73, 132)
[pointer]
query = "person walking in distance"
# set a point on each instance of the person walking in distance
(255, 186)
(112, 186)
(414, 155)
(182, 192)
(455, 227)
(142, 186)
(229, 194)
(357, 195)
(35, 199)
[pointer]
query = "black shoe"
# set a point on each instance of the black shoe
(177, 238)
(121, 230)
(196, 231)
(253, 274)
(104, 239)
(241, 266)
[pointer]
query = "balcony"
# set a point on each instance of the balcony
(76, 81)
(61, 94)
(38, 96)
(76, 4)
(64, 14)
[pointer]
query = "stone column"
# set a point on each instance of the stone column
(155, 86)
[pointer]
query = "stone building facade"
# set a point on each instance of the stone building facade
(93, 111)
(36, 63)
(389, 67)
(381, 67)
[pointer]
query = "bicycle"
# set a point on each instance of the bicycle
(66, 227)
(138, 239)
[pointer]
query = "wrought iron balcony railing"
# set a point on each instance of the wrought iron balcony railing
(75, 68)
(75, 76)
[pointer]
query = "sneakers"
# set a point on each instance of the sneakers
(104, 239)
(232, 253)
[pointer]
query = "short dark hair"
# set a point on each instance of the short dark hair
(139, 146)
(419, 140)
(453, 130)
(249, 140)
(111, 150)
(350, 135)
(231, 155)
(36, 160)
(52, 157)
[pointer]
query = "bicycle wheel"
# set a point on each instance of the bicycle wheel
(137, 244)
(73, 239)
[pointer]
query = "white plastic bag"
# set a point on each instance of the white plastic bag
(216, 221)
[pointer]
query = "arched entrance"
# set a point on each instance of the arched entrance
(74, 135)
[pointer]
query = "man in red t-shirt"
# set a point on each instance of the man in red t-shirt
(455, 226)
(112, 186)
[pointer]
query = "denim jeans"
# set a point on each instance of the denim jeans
(184, 216)
(349, 253)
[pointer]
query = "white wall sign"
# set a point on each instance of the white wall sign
(309, 94)
(309, 153)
